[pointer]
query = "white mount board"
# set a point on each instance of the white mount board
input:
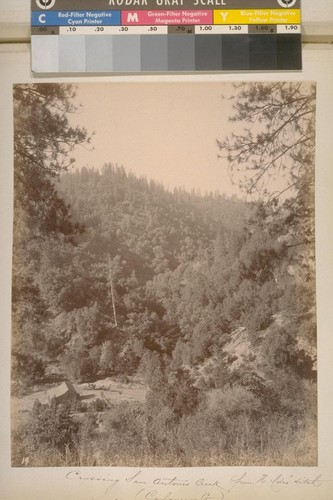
(35, 484)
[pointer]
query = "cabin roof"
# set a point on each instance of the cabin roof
(62, 389)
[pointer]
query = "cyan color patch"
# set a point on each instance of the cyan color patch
(99, 53)
(72, 50)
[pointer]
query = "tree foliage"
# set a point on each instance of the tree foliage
(44, 136)
(43, 141)
(51, 427)
(276, 137)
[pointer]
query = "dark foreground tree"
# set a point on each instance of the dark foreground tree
(43, 133)
(43, 142)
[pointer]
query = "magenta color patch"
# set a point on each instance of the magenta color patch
(166, 17)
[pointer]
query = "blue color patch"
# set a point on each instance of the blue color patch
(76, 18)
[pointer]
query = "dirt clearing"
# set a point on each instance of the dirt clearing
(112, 391)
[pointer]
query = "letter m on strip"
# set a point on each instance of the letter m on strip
(132, 17)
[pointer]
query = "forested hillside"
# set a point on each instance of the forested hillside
(209, 300)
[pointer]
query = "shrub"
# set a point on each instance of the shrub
(50, 430)
(123, 434)
(98, 405)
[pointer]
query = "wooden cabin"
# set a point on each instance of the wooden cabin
(64, 392)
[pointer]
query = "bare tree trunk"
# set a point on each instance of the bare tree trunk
(112, 292)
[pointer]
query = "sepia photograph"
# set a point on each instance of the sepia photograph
(163, 275)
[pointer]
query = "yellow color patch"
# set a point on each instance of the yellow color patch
(258, 16)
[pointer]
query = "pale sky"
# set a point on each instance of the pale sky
(164, 131)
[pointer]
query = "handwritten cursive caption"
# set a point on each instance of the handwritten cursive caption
(142, 485)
